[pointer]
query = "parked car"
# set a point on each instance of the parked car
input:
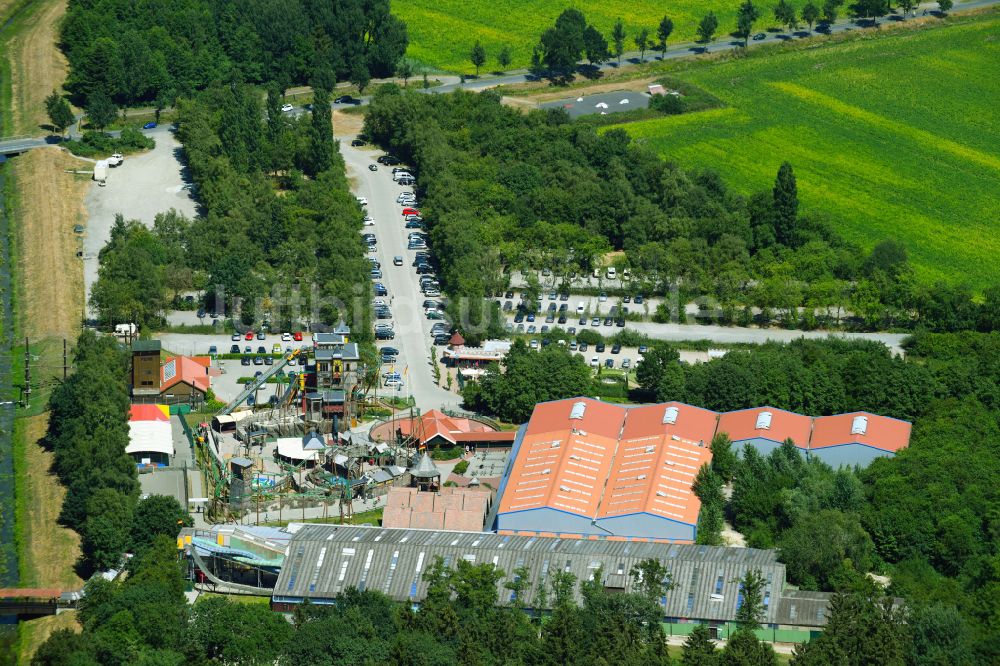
(626, 364)
(258, 360)
(602, 297)
(608, 321)
(596, 321)
(599, 347)
(609, 363)
(244, 360)
(357, 142)
(583, 346)
(285, 108)
(362, 201)
(149, 125)
(235, 349)
(268, 360)
(580, 308)
(248, 349)
(594, 361)
(248, 336)
(286, 337)
(346, 99)
(297, 336)
(616, 349)
(236, 337)
(116, 160)
(643, 349)
(391, 351)
(759, 36)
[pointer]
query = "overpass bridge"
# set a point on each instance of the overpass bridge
(36, 602)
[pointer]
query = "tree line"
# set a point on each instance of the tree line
(279, 238)
(504, 190)
(87, 433)
(150, 52)
(572, 39)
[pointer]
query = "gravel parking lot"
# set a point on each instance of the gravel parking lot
(144, 185)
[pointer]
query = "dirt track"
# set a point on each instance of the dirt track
(37, 66)
(50, 276)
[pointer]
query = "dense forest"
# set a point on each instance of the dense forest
(88, 432)
(929, 518)
(152, 52)
(145, 619)
(278, 240)
(504, 190)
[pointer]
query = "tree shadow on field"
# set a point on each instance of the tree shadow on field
(591, 72)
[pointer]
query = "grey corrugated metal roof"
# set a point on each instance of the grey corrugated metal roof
(324, 560)
(801, 607)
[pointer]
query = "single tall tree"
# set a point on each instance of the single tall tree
(101, 111)
(642, 42)
(810, 12)
(751, 612)
(830, 10)
(873, 9)
(60, 115)
(746, 16)
(707, 27)
(698, 649)
(618, 39)
(784, 13)
(595, 46)
(477, 56)
(786, 204)
(404, 70)
(321, 135)
(503, 57)
(663, 32)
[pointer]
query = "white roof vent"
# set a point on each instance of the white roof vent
(764, 421)
(578, 410)
(641, 477)
(650, 449)
(670, 416)
(564, 489)
(546, 471)
(860, 425)
(555, 445)
(660, 493)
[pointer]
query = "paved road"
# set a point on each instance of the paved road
(690, 49)
(405, 299)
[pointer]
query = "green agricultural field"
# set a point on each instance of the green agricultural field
(892, 136)
(442, 32)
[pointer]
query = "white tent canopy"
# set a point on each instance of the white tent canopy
(150, 437)
(291, 447)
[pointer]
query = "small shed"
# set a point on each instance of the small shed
(456, 340)
(426, 473)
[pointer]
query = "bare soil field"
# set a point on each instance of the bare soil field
(37, 67)
(50, 276)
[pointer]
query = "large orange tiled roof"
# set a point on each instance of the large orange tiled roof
(600, 460)
(880, 432)
(781, 425)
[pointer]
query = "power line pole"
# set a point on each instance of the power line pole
(27, 373)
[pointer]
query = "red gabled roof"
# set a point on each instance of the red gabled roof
(882, 432)
(148, 413)
(742, 425)
(186, 369)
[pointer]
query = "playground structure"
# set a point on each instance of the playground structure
(277, 464)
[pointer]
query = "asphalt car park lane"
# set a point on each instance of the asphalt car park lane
(411, 327)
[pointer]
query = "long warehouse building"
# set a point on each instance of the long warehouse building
(320, 562)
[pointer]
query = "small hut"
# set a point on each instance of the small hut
(456, 340)
(426, 474)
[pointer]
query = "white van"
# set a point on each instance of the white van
(612, 273)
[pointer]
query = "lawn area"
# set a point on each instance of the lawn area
(442, 32)
(891, 136)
